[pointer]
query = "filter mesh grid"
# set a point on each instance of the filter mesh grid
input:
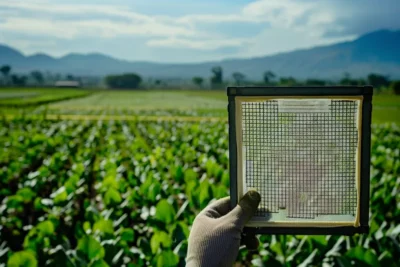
(301, 159)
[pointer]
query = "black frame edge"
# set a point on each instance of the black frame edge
(341, 230)
(232, 151)
(365, 157)
(299, 90)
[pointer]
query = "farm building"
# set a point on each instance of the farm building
(67, 84)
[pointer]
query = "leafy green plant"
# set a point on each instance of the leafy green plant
(113, 193)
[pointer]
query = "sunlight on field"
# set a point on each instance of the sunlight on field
(33, 96)
(386, 108)
(194, 103)
(150, 99)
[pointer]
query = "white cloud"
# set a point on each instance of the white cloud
(52, 25)
(99, 28)
(292, 24)
(39, 27)
(216, 18)
(278, 12)
(197, 44)
(279, 25)
(162, 31)
(48, 7)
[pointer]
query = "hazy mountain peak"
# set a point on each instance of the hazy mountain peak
(8, 52)
(373, 52)
(376, 35)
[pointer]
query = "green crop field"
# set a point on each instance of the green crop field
(111, 104)
(22, 97)
(116, 179)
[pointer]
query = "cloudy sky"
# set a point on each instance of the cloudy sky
(187, 30)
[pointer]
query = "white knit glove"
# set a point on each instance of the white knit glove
(215, 236)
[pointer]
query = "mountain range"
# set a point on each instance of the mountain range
(377, 52)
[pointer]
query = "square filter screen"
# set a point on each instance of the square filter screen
(303, 155)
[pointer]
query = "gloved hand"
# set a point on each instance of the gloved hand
(215, 236)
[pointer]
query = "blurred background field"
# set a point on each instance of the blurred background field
(176, 103)
(25, 97)
(125, 173)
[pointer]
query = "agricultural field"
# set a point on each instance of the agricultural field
(23, 97)
(117, 178)
(150, 105)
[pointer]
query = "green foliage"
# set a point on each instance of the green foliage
(378, 80)
(362, 255)
(99, 263)
(288, 81)
(26, 194)
(28, 97)
(268, 77)
(112, 196)
(124, 81)
(5, 70)
(160, 240)
(347, 80)
(91, 248)
(103, 226)
(165, 212)
(38, 77)
(25, 258)
(198, 81)
(19, 80)
(109, 193)
(59, 196)
(217, 77)
(128, 235)
(166, 258)
(239, 78)
(39, 236)
(395, 86)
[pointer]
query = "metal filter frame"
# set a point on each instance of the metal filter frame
(362, 93)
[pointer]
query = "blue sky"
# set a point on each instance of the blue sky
(186, 30)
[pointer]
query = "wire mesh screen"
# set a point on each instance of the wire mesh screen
(301, 155)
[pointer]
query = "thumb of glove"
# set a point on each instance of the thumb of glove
(245, 209)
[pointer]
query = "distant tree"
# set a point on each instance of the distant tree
(395, 85)
(5, 71)
(57, 77)
(124, 81)
(19, 80)
(198, 81)
(378, 80)
(268, 77)
(38, 76)
(78, 79)
(288, 81)
(70, 77)
(315, 82)
(217, 77)
(347, 80)
(362, 81)
(238, 77)
(14, 79)
(48, 77)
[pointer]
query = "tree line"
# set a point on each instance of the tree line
(269, 78)
(215, 81)
(38, 78)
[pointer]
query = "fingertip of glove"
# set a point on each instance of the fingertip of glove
(253, 197)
